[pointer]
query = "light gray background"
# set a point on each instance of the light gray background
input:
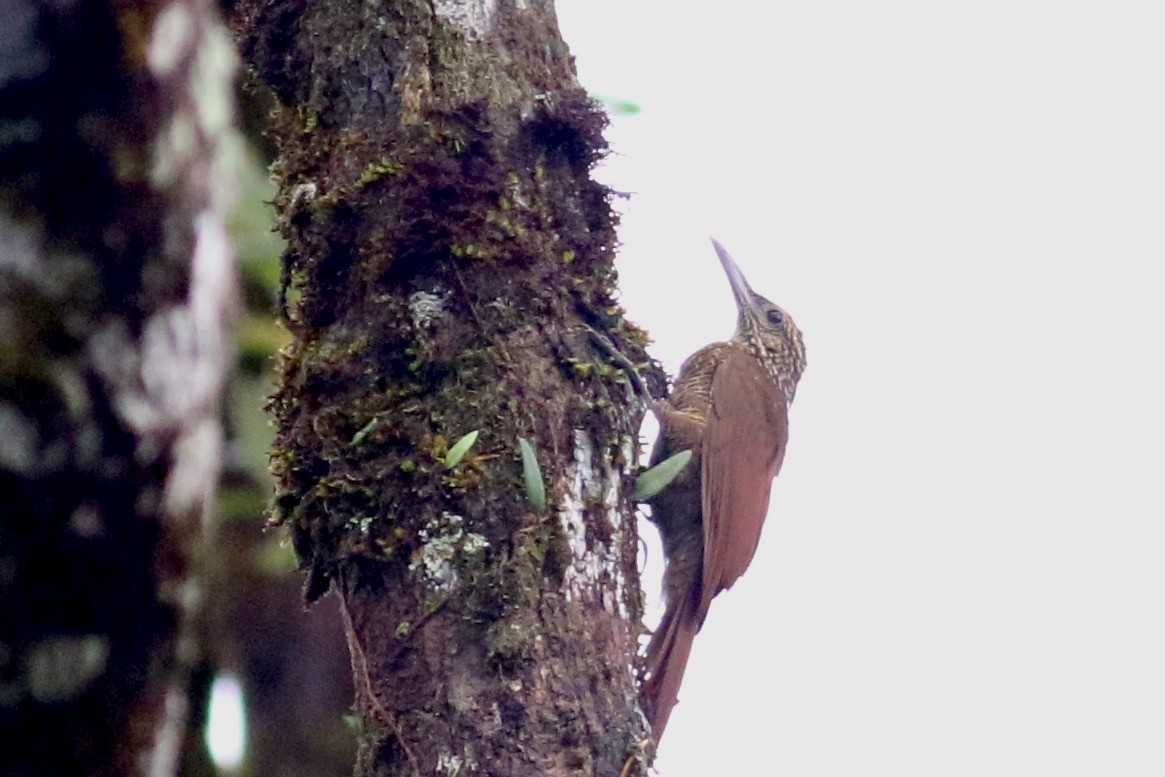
(962, 206)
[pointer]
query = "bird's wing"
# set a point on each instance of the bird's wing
(744, 445)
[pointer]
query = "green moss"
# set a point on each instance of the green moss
(370, 401)
(377, 170)
(513, 640)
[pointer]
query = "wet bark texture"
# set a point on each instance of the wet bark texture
(115, 283)
(447, 250)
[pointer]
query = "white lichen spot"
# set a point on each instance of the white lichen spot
(582, 485)
(200, 352)
(86, 522)
(474, 17)
(194, 59)
(443, 540)
(166, 386)
(173, 35)
(197, 456)
(303, 194)
(177, 145)
(598, 569)
(19, 442)
(20, 249)
(425, 307)
(449, 764)
(60, 668)
(212, 80)
(169, 733)
(212, 284)
(143, 376)
(435, 561)
(474, 543)
(615, 519)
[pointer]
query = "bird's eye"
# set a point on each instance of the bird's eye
(775, 317)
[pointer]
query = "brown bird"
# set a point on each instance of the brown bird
(730, 408)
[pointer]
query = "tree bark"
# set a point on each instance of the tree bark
(115, 287)
(448, 251)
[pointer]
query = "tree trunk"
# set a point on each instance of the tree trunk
(115, 282)
(448, 251)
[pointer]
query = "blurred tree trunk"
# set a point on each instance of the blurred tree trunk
(292, 665)
(115, 287)
(447, 251)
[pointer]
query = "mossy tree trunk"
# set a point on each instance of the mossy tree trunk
(448, 250)
(115, 285)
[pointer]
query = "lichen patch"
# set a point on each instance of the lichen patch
(173, 32)
(443, 541)
(593, 483)
(475, 17)
(425, 307)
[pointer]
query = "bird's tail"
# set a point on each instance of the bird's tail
(667, 657)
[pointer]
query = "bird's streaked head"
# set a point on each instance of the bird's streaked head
(765, 329)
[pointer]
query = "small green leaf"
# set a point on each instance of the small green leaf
(616, 106)
(368, 427)
(660, 476)
(532, 474)
(460, 448)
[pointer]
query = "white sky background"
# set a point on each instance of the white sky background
(963, 206)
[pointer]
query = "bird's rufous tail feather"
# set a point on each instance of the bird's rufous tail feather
(667, 657)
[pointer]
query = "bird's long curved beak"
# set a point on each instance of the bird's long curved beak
(740, 288)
